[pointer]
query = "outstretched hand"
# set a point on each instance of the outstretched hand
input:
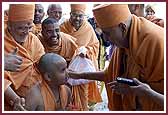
(72, 74)
(140, 90)
(119, 88)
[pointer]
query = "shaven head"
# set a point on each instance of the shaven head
(55, 67)
(48, 60)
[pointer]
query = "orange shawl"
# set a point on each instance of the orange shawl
(80, 96)
(49, 98)
(86, 37)
(66, 46)
(145, 61)
(31, 51)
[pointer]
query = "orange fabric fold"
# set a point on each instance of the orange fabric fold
(145, 61)
(49, 98)
(88, 40)
(66, 46)
(31, 51)
(94, 94)
(86, 37)
(80, 96)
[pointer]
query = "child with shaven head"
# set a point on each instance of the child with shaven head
(57, 95)
(53, 67)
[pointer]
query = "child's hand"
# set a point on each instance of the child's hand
(19, 104)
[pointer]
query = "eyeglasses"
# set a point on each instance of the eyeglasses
(24, 28)
(56, 12)
(74, 15)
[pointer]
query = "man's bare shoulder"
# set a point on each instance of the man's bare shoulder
(34, 100)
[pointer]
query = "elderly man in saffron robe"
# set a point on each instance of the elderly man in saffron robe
(78, 27)
(19, 40)
(139, 54)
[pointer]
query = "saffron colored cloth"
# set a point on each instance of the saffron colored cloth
(30, 51)
(86, 37)
(144, 60)
(66, 46)
(49, 99)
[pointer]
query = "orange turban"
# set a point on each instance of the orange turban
(21, 12)
(110, 15)
(78, 7)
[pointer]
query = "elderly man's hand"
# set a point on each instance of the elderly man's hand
(13, 61)
(72, 74)
(19, 104)
(140, 90)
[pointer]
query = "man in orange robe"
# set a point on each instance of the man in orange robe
(140, 54)
(78, 27)
(55, 41)
(30, 49)
(38, 16)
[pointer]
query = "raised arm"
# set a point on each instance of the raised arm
(87, 75)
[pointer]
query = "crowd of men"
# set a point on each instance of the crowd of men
(38, 52)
